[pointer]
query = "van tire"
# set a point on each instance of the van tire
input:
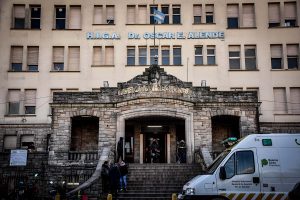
(294, 194)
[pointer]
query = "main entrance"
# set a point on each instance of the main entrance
(154, 139)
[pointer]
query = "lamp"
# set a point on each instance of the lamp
(203, 83)
(105, 84)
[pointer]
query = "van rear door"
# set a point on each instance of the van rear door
(241, 175)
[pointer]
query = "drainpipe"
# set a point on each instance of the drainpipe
(257, 120)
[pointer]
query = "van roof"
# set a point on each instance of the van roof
(270, 140)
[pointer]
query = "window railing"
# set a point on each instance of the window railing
(83, 155)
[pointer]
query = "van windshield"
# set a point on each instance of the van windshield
(212, 168)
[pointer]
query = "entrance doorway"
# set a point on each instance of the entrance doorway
(153, 139)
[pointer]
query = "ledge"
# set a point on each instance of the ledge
(204, 23)
(216, 65)
(150, 65)
(19, 115)
(280, 70)
(243, 70)
(279, 27)
(54, 29)
(103, 24)
(27, 29)
(153, 24)
(10, 71)
(52, 71)
(102, 65)
(241, 28)
(287, 114)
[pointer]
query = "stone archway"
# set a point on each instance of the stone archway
(168, 112)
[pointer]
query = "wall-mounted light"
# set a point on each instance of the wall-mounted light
(203, 83)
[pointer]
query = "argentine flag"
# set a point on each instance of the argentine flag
(159, 16)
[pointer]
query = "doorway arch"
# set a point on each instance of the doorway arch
(167, 112)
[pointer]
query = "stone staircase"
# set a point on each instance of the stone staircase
(157, 181)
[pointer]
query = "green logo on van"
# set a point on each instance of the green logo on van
(264, 162)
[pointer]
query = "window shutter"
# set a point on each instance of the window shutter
(232, 10)
(16, 54)
(30, 97)
(75, 17)
(74, 58)
(197, 10)
(142, 15)
(130, 14)
(109, 55)
(19, 11)
(248, 15)
(292, 50)
(98, 15)
(58, 54)
(13, 95)
(274, 12)
(209, 8)
(280, 100)
(110, 12)
(234, 48)
(33, 55)
(97, 56)
(276, 51)
(290, 10)
(295, 100)
(10, 142)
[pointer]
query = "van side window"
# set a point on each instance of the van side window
(244, 162)
(229, 167)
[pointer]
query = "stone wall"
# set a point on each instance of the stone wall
(39, 131)
(278, 127)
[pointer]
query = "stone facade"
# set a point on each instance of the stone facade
(154, 93)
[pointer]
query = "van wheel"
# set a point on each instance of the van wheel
(218, 198)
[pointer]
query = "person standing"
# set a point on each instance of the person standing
(114, 176)
(123, 178)
(105, 177)
(120, 150)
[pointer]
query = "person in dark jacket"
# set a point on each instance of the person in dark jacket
(114, 175)
(123, 171)
(105, 177)
(120, 150)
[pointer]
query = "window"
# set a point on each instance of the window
(209, 13)
(75, 17)
(234, 57)
(292, 56)
(32, 58)
(211, 55)
(130, 55)
(60, 17)
(74, 59)
(274, 14)
(198, 55)
(130, 14)
(229, 167)
(248, 15)
(276, 56)
(35, 17)
(19, 16)
(58, 58)
(197, 14)
(152, 8)
(280, 102)
(14, 101)
(109, 55)
(250, 57)
(153, 55)
(30, 101)
(165, 55)
(27, 142)
(245, 162)
(16, 58)
(142, 55)
(10, 142)
(176, 55)
(176, 15)
(110, 14)
(97, 55)
(98, 14)
(233, 16)
(165, 10)
(290, 14)
(142, 14)
(295, 100)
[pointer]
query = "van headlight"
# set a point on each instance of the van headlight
(190, 191)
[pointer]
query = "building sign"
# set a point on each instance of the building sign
(18, 157)
(155, 88)
(158, 35)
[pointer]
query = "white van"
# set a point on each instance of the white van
(260, 166)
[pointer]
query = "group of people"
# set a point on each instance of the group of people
(114, 177)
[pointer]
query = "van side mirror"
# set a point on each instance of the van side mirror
(222, 174)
